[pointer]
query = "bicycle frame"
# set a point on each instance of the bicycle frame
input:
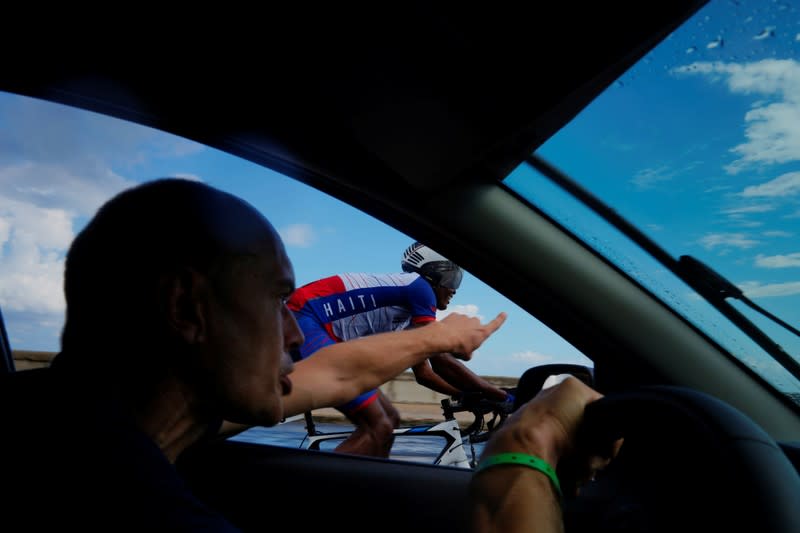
(452, 452)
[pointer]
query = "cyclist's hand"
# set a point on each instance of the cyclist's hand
(463, 334)
(457, 397)
(496, 394)
(510, 399)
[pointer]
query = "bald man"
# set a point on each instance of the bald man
(176, 320)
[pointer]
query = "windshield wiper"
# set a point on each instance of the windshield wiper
(709, 284)
(716, 289)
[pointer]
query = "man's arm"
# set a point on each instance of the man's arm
(511, 498)
(459, 376)
(339, 372)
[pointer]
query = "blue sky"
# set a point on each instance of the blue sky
(699, 145)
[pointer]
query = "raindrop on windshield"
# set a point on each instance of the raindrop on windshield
(765, 33)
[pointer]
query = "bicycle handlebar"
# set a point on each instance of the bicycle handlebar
(476, 403)
(528, 385)
(480, 406)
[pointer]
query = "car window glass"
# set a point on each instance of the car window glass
(694, 146)
(59, 164)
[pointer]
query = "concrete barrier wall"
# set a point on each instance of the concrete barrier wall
(402, 389)
(24, 360)
(405, 389)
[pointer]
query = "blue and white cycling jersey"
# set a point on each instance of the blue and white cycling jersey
(348, 306)
(353, 305)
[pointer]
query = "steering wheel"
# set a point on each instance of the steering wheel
(689, 462)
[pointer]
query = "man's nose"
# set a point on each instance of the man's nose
(293, 337)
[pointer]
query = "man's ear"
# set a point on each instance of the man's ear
(184, 298)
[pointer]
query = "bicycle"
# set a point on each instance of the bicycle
(452, 452)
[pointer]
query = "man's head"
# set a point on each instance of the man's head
(443, 275)
(174, 280)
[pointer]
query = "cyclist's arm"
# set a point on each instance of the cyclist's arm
(458, 375)
(426, 377)
(443, 373)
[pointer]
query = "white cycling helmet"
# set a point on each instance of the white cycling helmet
(435, 268)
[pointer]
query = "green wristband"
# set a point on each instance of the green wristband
(523, 459)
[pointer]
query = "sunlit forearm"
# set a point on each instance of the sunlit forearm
(458, 375)
(339, 372)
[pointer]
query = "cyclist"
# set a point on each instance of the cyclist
(351, 305)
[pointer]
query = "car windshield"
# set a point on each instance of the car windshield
(698, 147)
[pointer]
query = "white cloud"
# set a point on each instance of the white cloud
(655, 227)
(45, 228)
(773, 136)
(772, 126)
(745, 210)
(744, 223)
(532, 357)
(784, 185)
(777, 233)
(738, 215)
(53, 175)
(727, 240)
(778, 261)
(52, 185)
(301, 235)
(33, 243)
(464, 309)
(648, 177)
(39, 207)
(182, 147)
(755, 289)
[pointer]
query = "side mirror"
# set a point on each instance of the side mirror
(531, 381)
